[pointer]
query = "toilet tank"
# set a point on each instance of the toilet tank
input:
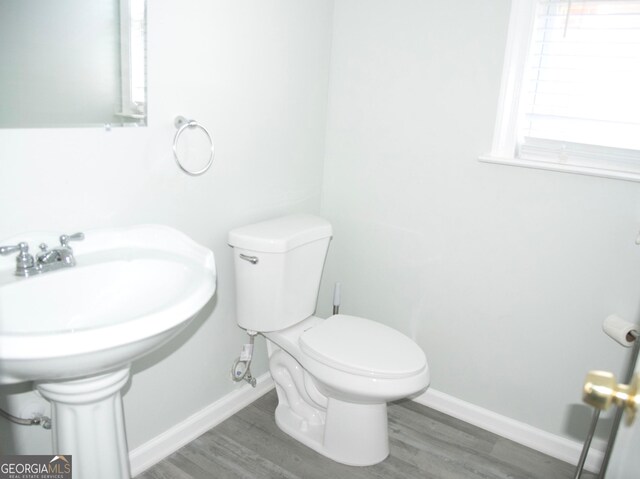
(278, 266)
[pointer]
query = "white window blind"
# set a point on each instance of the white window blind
(581, 85)
(572, 95)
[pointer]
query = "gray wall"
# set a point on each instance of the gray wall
(255, 73)
(502, 274)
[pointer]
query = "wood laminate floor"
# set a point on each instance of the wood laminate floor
(424, 444)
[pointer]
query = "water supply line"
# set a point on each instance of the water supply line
(241, 368)
(43, 421)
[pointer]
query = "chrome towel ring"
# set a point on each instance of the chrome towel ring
(182, 124)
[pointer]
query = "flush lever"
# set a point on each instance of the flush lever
(250, 259)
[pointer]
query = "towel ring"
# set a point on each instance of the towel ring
(182, 124)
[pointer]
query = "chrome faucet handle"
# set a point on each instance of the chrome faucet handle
(21, 247)
(24, 260)
(64, 239)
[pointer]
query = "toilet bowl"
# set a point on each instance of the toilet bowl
(333, 376)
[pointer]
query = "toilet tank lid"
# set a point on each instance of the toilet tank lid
(281, 234)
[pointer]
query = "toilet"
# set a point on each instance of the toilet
(333, 376)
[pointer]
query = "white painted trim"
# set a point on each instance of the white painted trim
(521, 22)
(545, 442)
(563, 167)
(168, 442)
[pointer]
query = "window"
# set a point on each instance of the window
(570, 98)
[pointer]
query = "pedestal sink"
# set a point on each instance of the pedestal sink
(75, 331)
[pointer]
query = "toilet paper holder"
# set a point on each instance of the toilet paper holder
(621, 331)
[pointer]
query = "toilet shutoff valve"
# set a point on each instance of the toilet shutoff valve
(247, 352)
(241, 368)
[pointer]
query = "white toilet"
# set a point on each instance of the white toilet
(333, 376)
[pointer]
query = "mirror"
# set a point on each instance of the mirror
(69, 63)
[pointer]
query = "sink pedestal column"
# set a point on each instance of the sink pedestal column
(88, 423)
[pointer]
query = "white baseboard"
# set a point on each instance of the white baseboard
(545, 442)
(168, 442)
(181, 434)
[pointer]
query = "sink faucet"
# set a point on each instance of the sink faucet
(46, 260)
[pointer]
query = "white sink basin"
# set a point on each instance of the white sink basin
(131, 290)
(75, 331)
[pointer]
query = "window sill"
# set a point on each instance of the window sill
(565, 168)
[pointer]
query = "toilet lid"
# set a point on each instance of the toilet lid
(364, 347)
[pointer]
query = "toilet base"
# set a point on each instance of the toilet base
(352, 434)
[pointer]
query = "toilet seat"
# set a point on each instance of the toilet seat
(362, 347)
